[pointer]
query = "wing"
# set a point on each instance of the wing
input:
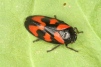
(47, 28)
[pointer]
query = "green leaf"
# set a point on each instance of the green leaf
(16, 43)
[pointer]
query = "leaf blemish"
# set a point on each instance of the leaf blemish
(64, 4)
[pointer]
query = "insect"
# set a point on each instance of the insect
(51, 30)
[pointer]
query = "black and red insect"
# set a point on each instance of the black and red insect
(51, 30)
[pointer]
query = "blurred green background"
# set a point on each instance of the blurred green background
(16, 43)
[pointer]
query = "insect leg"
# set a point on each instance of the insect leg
(36, 40)
(55, 17)
(53, 48)
(77, 31)
(72, 49)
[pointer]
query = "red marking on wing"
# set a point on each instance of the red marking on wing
(47, 37)
(33, 29)
(41, 27)
(58, 38)
(38, 19)
(62, 26)
(53, 21)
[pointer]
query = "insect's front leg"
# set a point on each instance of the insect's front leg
(71, 48)
(77, 31)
